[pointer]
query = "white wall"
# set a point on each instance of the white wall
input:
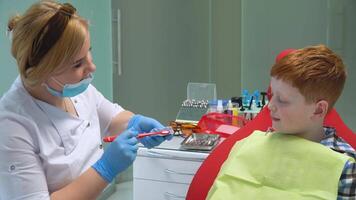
(271, 26)
(345, 105)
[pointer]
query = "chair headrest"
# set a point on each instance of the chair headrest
(283, 53)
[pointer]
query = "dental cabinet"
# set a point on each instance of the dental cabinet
(165, 172)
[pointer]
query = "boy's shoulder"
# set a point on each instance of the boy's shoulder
(336, 143)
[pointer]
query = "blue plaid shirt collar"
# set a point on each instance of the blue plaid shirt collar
(336, 143)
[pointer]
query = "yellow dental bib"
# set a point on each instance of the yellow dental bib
(279, 167)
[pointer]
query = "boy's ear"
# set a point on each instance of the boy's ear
(321, 109)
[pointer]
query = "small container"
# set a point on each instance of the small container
(245, 98)
(220, 108)
(212, 106)
(215, 123)
(235, 113)
(229, 108)
(201, 91)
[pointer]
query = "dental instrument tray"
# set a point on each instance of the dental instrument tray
(200, 142)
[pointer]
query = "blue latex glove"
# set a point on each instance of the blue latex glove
(118, 156)
(143, 124)
(155, 140)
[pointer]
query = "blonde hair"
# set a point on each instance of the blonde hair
(30, 33)
(317, 72)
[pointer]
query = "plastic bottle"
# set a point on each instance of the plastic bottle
(245, 98)
(257, 103)
(212, 106)
(220, 108)
(235, 113)
(229, 108)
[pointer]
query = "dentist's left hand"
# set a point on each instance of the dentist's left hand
(118, 156)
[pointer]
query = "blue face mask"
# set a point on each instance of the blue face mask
(71, 90)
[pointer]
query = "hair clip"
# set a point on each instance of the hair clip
(67, 9)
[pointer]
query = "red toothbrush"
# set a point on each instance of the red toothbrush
(141, 135)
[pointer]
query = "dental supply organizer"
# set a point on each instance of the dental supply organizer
(191, 110)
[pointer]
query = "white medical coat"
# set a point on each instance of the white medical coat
(43, 148)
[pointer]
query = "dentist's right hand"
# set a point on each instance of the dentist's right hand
(118, 156)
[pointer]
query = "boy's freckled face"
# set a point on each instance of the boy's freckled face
(289, 111)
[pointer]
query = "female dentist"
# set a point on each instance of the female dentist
(52, 119)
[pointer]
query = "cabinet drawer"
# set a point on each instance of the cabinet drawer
(165, 169)
(156, 190)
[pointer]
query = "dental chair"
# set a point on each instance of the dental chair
(208, 171)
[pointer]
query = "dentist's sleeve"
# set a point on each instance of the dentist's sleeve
(21, 172)
(106, 109)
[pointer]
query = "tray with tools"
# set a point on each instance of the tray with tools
(200, 142)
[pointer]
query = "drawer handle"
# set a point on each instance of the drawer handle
(180, 173)
(161, 155)
(174, 195)
(164, 155)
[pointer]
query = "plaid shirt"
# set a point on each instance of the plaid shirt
(347, 183)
